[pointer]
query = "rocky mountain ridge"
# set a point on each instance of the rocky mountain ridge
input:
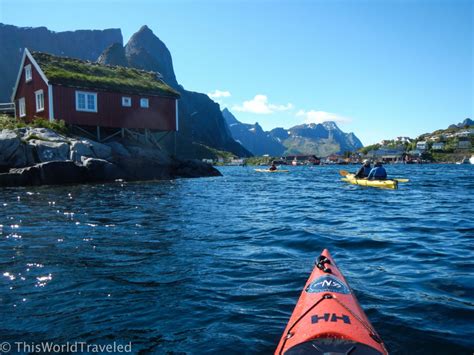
(321, 139)
(68, 43)
(253, 137)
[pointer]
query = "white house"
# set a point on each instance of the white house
(464, 144)
(423, 145)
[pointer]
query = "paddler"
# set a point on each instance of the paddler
(378, 172)
(364, 170)
(273, 167)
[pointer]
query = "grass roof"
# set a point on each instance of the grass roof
(89, 75)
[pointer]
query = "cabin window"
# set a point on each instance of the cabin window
(22, 107)
(126, 101)
(28, 74)
(144, 103)
(86, 101)
(39, 100)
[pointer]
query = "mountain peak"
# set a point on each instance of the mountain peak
(144, 28)
(330, 125)
(229, 117)
(113, 55)
(146, 51)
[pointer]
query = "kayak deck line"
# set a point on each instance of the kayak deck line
(388, 184)
(328, 318)
(271, 171)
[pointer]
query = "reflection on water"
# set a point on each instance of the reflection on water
(217, 264)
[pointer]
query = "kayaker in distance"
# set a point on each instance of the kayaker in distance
(378, 172)
(364, 170)
(273, 167)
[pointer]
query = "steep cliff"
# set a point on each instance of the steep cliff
(146, 51)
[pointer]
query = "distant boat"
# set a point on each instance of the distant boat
(472, 160)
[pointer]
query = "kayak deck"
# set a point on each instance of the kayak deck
(327, 318)
(385, 184)
(271, 171)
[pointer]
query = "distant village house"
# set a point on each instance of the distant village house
(438, 146)
(464, 144)
(302, 160)
(423, 145)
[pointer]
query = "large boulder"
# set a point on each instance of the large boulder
(50, 151)
(44, 134)
(49, 173)
(118, 149)
(101, 170)
(154, 154)
(138, 168)
(9, 144)
(79, 150)
(19, 157)
(194, 169)
(100, 150)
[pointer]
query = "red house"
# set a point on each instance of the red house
(89, 94)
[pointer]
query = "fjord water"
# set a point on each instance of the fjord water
(216, 265)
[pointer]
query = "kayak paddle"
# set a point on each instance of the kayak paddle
(401, 180)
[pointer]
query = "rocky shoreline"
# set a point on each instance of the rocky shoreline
(40, 156)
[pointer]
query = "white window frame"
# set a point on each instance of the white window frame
(144, 102)
(126, 101)
(39, 103)
(28, 73)
(22, 107)
(86, 96)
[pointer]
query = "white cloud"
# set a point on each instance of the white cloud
(260, 105)
(313, 116)
(218, 94)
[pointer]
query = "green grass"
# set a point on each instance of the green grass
(7, 122)
(79, 73)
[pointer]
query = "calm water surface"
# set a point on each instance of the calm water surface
(216, 265)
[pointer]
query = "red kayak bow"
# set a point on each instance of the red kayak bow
(328, 319)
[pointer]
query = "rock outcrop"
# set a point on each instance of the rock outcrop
(39, 156)
(114, 55)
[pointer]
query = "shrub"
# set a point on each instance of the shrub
(7, 122)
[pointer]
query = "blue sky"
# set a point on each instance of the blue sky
(381, 69)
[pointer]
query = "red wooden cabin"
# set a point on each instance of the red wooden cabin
(83, 93)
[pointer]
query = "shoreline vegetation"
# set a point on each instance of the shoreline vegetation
(47, 153)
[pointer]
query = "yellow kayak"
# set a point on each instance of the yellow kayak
(271, 171)
(385, 184)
